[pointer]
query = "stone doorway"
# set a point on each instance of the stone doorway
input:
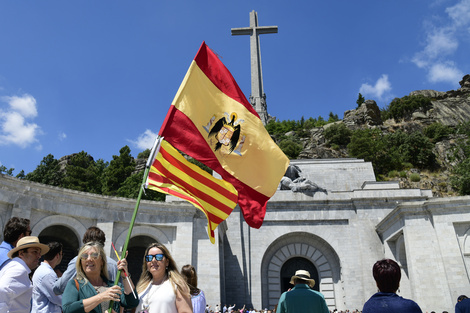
(300, 250)
(136, 248)
(289, 268)
(66, 237)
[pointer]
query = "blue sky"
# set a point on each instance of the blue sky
(98, 75)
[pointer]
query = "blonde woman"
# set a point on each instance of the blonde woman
(91, 290)
(161, 287)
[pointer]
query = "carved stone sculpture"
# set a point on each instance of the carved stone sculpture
(292, 180)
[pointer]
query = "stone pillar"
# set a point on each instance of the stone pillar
(423, 254)
(108, 229)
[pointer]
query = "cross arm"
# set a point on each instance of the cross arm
(266, 29)
(242, 31)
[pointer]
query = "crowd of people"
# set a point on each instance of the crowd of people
(90, 284)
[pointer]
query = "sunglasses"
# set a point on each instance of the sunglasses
(157, 257)
(93, 255)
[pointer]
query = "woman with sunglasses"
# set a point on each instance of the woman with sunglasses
(91, 290)
(161, 287)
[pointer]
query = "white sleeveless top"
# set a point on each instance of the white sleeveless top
(158, 299)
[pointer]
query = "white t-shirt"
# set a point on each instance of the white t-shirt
(158, 299)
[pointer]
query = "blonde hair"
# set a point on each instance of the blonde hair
(171, 271)
(78, 265)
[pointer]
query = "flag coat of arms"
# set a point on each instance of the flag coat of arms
(211, 120)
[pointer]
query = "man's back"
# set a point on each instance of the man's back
(302, 299)
(463, 306)
(387, 302)
(44, 298)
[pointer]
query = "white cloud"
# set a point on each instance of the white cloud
(444, 73)
(460, 13)
(14, 127)
(145, 140)
(25, 105)
(62, 136)
(379, 90)
(442, 42)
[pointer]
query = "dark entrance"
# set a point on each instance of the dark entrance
(136, 248)
(288, 270)
(66, 237)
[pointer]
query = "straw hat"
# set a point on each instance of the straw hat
(304, 275)
(29, 242)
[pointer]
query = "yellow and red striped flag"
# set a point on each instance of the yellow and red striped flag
(172, 174)
(211, 120)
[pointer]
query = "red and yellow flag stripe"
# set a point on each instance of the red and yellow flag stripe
(172, 174)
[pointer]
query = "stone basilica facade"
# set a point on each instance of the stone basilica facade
(337, 235)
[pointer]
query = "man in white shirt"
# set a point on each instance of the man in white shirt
(230, 308)
(44, 298)
(15, 286)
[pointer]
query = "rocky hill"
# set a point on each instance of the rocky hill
(448, 108)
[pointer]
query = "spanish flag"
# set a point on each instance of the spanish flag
(211, 120)
(171, 173)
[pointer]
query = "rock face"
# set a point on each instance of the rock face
(63, 161)
(449, 108)
(367, 114)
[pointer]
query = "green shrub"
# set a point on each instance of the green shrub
(442, 185)
(290, 148)
(437, 131)
(407, 165)
(402, 108)
(369, 144)
(338, 134)
(414, 177)
(402, 174)
(393, 173)
(460, 179)
(335, 147)
(417, 150)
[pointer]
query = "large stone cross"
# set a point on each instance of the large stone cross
(257, 97)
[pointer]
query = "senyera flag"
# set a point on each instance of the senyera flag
(171, 173)
(211, 120)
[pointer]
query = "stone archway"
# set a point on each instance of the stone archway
(62, 229)
(289, 268)
(300, 245)
(142, 237)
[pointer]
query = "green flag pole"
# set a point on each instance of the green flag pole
(131, 226)
(134, 215)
